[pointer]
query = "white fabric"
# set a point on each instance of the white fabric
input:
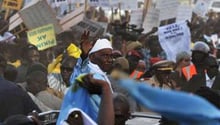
(209, 82)
(40, 104)
(174, 38)
(101, 44)
(95, 69)
(7, 37)
(86, 119)
(56, 82)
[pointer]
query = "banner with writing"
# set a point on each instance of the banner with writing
(201, 7)
(12, 4)
(42, 37)
(174, 38)
(95, 29)
(102, 3)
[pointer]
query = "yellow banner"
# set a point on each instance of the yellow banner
(12, 4)
(42, 37)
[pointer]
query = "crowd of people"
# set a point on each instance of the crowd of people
(81, 77)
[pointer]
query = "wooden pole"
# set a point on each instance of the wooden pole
(147, 4)
(86, 5)
(7, 13)
(112, 16)
(119, 8)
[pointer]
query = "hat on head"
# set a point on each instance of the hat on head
(101, 44)
(201, 47)
(123, 62)
(163, 65)
(133, 45)
(134, 53)
(182, 55)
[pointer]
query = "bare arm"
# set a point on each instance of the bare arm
(106, 110)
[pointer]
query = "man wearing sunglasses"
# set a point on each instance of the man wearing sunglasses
(210, 78)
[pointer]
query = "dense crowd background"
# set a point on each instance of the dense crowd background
(33, 80)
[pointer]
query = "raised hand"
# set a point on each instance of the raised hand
(85, 44)
(94, 86)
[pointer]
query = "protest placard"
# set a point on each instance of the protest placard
(168, 9)
(201, 7)
(124, 4)
(129, 4)
(42, 37)
(184, 12)
(102, 3)
(14, 21)
(94, 28)
(59, 2)
(103, 25)
(12, 4)
(77, 22)
(167, 4)
(72, 18)
(136, 17)
(174, 38)
(151, 20)
(38, 13)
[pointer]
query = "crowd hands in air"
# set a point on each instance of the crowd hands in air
(81, 78)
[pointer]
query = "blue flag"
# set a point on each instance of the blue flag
(185, 108)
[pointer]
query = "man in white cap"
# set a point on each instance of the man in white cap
(99, 60)
(99, 63)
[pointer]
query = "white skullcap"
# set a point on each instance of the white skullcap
(101, 44)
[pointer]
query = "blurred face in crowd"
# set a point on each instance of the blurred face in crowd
(155, 48)
(36, 84)
(121, 113)
(198, 57)
(67, 68)
(185, 62)
(212, 67)
(33, 56)
(163, 76)
(103, 58)
(141, 66)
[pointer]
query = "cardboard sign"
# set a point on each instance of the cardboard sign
(104, 25)
(72, 18)
(201, 7)
(77, 22)
(184, 13)
(168, 9)
(125, 4)
(102, 3)
(38, 13)
(14, 21)
(136, 17)
(42, 37)
(59, 2)
(12, 4)
(167, 4)
(151, 20)
(129, 4)
(94, 28)
(174, 38)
